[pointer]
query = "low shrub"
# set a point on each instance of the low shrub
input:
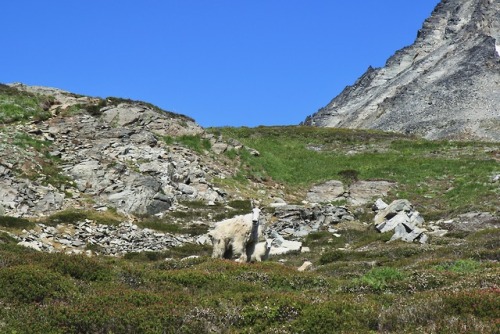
(484, 303)
(320, 237)
(188, 250)
(17, 223)
(380, 278)
(72, 216)
(118, 310)
(266, 311)
(6, 238)
(144, 256)
(80, 267)
(346, 255)
(442, 312)
(243, 205)
(333, 256)
(341, 315)
(32, 283)
(176, 264)
(460, 266)
(349, 176)
(188, 278)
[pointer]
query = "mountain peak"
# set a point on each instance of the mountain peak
(445, 85)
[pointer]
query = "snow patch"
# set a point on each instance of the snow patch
(497, 47)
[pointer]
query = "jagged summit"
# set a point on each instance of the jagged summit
(445, 85)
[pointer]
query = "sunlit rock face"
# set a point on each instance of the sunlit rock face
(445, 85)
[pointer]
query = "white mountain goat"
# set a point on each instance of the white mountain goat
(232, 237)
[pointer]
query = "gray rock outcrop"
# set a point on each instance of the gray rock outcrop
(403, 219)
(295, 222)
(470, 222)
(358, 193)
(104, 239)
(117, 155)
(445, 85)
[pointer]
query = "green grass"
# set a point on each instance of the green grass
(24, 140)
(443, 177)
(21, 106)
(461, 266)
(379, 278)
(174, 228)
(194, 142)
(15, 223)
(73, 216)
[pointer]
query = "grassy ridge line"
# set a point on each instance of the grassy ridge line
(439, 177)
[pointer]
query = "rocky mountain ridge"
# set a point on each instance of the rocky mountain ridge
(445, 85)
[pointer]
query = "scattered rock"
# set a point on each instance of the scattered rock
(400, 217)
(125, 167)
(357, 194)
(108, 240)
(252, 151)
(296, 221)
(220, 148)
(307, 265)
(379, 205)
(326, 192)
(277, 203)
(362, 192)
(280, 246)
(305, 249)
(471, 222)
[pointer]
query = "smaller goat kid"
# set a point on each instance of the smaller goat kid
(260, 251)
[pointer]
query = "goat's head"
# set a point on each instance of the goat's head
(255, 215)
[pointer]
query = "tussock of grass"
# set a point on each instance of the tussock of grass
(460, 266)
(379, 278)
(194, 142)
(71, 216)
(15, 223)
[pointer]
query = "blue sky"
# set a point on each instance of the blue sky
(222, 62)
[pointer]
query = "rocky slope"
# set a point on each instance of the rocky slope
(102, 153)
(445, 85)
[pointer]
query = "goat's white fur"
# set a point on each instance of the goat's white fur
(236, 235)
(259, 251)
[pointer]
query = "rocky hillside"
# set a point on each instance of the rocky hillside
(105, 205)
(60, 150)
(445, 85)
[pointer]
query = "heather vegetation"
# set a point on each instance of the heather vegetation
(370, 287)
